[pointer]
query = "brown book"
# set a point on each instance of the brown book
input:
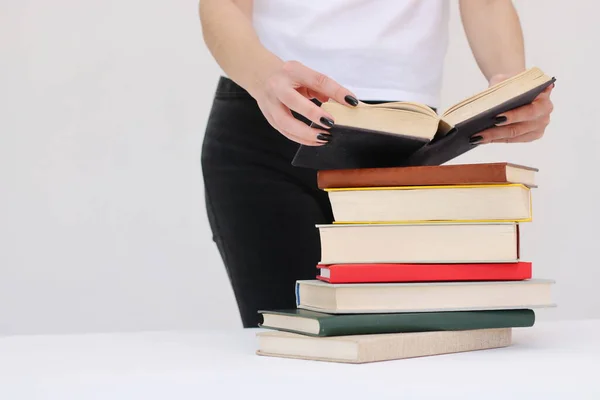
(380, 347)
(459, 174)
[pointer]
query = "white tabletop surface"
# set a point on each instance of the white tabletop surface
(548, 361)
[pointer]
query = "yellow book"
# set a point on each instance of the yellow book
(428, 204)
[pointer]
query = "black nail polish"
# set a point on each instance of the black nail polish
(324, 136)
(475, 139)
(500, 119)
(326, 121)
(351, 100)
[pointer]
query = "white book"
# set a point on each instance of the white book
(420, 243)
(350, 298)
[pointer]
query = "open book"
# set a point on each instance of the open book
(406, 133)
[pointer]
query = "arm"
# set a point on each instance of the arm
(231, 39)
(494, 34)
(278, 86)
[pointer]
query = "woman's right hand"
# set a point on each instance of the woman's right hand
(289, 87)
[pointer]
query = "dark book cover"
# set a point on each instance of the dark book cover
(365, 324)
(359, 148)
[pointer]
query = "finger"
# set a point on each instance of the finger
(311, 94)
(288, 135)
(300, 140)
(320, 83)
(545, 95)
(275, 119)
(298, 130)
(295, 101)
(528, 137)
(546, 92)
(295, 138)
(538, 108)
(508, 131)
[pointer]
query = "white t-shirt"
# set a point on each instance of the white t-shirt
(379, 49)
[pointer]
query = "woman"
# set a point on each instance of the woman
(282, 55)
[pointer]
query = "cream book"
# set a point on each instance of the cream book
(351, 298)
(359, 349)
(419, 120)
(439, 242)
(413, 204)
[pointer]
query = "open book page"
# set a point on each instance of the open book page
(406, 119)
(419, 120)
(403, 105)
(495, 95)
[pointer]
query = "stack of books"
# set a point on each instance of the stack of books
(419, 261)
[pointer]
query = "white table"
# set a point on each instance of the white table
(549, 361)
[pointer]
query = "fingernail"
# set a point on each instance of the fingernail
(475, 139)
(500, 119)
(324, 136)
(351, 100)
(326, 121)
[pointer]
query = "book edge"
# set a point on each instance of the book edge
(532, 281)
(394, 311)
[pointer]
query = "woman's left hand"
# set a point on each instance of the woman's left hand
(523, 124)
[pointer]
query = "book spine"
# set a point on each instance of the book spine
(297, 292)
(413, 176)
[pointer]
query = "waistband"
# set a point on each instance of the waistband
(228, 88)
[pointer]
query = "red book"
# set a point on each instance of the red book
(374, 273)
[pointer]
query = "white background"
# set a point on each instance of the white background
(102, 112)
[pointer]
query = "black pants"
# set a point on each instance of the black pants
(262, 210)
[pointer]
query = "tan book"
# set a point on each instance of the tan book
(458, 174)
(379, 347)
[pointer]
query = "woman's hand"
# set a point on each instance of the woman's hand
(522, 124)
(278, 87)
(289, 88)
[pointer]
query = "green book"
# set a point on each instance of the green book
(314, 323)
